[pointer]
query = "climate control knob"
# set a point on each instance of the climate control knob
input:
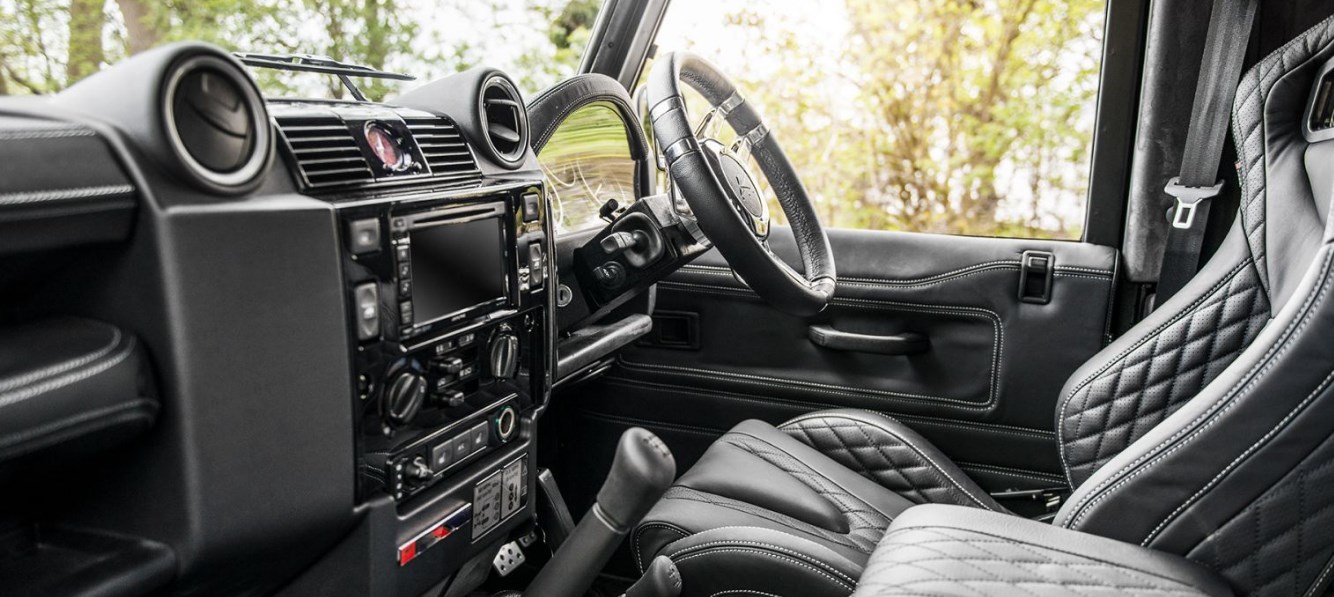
(403, 397)
(504, 359)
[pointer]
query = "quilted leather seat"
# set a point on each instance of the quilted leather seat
(1205, 431)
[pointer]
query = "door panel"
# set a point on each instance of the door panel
(984, 391)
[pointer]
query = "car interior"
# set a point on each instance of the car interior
(255, 344)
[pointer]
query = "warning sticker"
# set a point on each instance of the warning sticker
(487, 504)
(513, 498)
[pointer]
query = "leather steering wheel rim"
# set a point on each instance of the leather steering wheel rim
(716, 206)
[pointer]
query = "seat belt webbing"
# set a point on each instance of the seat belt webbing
(1230, 26)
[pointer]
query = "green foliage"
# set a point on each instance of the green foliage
(951, 116)
(955, 116)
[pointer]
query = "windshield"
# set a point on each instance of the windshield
(47, 45)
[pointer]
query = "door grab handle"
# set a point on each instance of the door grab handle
(896, 344)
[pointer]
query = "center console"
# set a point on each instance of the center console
(452, 357)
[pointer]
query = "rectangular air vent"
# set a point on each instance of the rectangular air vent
(325, 151)
(444, 148)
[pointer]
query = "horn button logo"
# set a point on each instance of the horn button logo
(745, 193)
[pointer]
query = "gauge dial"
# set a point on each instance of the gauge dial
(386, 148)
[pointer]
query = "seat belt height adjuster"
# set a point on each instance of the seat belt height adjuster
(1187, 199)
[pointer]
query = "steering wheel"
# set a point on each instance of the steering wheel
(720, 190)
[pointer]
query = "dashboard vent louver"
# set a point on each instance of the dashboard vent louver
(443, 147)
(325, 151)
(504, 121)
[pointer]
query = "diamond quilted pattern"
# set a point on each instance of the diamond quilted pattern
(1281, 543)
(887, 455)
(1249, 132)
(1140, 387)
(941, 561)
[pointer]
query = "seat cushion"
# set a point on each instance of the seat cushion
(758, 476)
(946, 550)
(831, 481)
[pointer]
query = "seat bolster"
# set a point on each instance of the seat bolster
(889, 453)
(948, 550)
(759, 561)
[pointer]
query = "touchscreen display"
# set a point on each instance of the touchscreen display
(456, 266)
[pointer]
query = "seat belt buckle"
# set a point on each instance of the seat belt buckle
(1188, 198)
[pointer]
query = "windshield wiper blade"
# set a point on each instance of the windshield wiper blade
(310, 63)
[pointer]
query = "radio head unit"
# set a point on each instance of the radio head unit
(459, 263)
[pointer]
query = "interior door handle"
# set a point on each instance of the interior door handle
(895, 344)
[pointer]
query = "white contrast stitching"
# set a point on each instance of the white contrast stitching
(998, 342)
(20, 395)
(920, 452)
(1186, 433)
(26, 378)
(27, 197)
(1065, 401)
(712, 546)
(45, 133)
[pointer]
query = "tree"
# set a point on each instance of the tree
(957, 116)
(984, 86)
(86, 19)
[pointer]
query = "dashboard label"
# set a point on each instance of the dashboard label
(486, 503)
(513, 481)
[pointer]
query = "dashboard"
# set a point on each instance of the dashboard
(344, 310)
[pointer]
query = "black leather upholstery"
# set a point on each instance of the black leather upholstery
(1204, 432)
(68, 379)
(889, 453)
(1149, 372)
(759, 477)
(947, 550)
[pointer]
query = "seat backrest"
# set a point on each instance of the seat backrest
(1207, 430)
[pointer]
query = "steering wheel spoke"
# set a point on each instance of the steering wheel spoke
(716, 180)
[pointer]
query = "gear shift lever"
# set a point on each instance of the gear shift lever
(641, 471)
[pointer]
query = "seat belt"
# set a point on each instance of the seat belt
(1225, 45)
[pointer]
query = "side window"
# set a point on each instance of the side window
(970, 118)
(586, 162)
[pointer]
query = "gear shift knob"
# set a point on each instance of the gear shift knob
(641, 471)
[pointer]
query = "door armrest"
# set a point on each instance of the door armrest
(955, 550)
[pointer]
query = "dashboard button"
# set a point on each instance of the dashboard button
(442, 456)
(453, 398)
(404, 287)
(537, 263)
(532, 207)
(363, 236)
(462, 447)
(405, 313)
(404, 270)
(450, 365)
(367, 303)
(402, 253)
(478, 435)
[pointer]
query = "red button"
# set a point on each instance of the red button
(440, 532)
(406, 553)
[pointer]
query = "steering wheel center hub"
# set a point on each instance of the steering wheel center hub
(743, 191)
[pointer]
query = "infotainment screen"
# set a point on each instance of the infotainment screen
(456, 266)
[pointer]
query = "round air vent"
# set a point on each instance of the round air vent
(504, 121)
(217, 124)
